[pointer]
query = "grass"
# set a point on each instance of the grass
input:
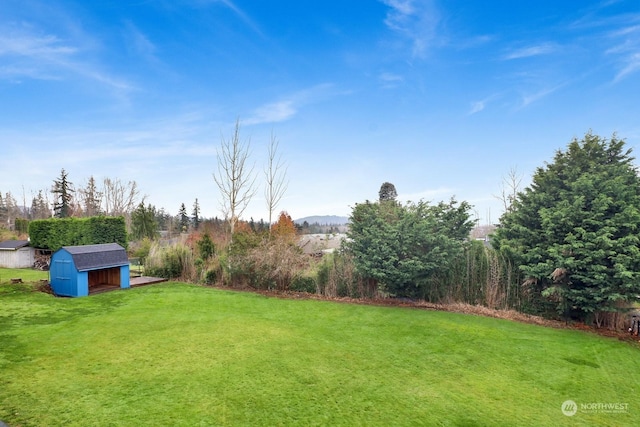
(26, 274)
(176, 354)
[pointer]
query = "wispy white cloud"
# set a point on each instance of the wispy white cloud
(16, 73)
(23, 44)
(625, 50)
(139, 43)
(626, 31)
(287, 107)
(480, 105)
(390, 80)
(235, 9)
(274, 112)
(30, 54)
(477, 106)
(529, 51)
(631, 66)
(530, 98)
(616, 35)
(243, 16)
(415, 20)
(125, 148)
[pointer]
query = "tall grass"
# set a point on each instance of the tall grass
(174, 261)
(481, 277)
(336, 276)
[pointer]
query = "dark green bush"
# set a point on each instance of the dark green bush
(206, 247)
(303, 284)
(211, 276)
(54, 233)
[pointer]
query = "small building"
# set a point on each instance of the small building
(77, 271)
(16, 254)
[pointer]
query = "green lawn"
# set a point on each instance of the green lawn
(176, 354)
(26, 274)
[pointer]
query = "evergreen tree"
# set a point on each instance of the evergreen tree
(63, 196)
(195, 216)
(164, 219)
(403, 248)
(143, 222)
(91, 198)
(387, 192)
(575, 231)
(9, 210)
(40, 207)
(183, 219)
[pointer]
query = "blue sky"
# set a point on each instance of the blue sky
(440, 98)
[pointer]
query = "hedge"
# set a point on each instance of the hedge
(54, 233)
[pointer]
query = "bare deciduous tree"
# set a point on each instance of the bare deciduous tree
(510, 189)
(275, 173)
(234, 178)
(119, 198)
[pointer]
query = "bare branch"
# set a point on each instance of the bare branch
(234, 178)
(510, 189)
(118, 198)
(275, 173)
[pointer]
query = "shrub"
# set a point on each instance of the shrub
(141, 249)
(171, 262)
(206, 247)
(211, 276)
(302, 283)
(337, 277)
(263, 264)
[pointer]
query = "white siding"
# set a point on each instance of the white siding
(21, 258)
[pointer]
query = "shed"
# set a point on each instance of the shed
(16, 254)
(77, 271)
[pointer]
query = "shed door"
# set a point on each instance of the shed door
(63, 275)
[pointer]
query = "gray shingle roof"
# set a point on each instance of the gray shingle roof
(91, 257)
(12, 245)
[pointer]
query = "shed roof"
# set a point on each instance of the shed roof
(13, 245)
(91, 257)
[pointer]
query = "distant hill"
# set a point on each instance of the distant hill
(323, 220)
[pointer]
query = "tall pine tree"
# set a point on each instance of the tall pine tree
(183, 219)
(91, 198)
(575, 231)
(195, 215)
(63, 196)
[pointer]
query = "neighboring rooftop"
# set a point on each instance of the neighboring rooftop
(12, 245)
